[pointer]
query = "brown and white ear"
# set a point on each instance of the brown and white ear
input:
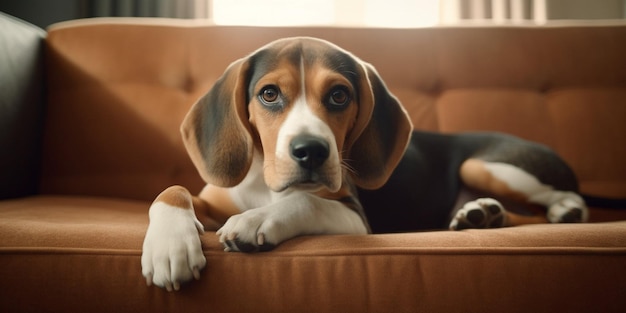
(386, 131)
(216, 131)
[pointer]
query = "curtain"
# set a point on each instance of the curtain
(495, 11)
(148, 8)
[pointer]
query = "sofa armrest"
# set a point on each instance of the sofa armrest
(21, 106)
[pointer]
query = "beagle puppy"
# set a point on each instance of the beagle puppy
(301, 137)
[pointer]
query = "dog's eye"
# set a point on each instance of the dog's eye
(338, 98)
(271, 98)
(269, 94)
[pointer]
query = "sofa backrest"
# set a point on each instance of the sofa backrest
(119, 88)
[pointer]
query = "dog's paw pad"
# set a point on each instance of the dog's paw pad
(239, 245)
(568, 211)
(482, 213)
(247, 247)
(574, 215)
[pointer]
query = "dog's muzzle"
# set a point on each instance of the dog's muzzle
(309, 152)
(313, 168)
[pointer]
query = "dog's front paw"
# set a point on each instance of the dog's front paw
(481, 213)
(172, 253)
(251, 231)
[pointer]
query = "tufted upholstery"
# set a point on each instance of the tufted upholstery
(117, 90)
(560, 86)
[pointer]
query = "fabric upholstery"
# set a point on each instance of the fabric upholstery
(514, 80)
(79, 254)
(117, 90)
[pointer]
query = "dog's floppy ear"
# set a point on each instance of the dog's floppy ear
(216, 131)
(380, 135)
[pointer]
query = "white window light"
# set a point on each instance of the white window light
(377, 13)
(273, 12)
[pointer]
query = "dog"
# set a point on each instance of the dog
(301, 137)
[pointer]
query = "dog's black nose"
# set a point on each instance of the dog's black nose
(310, 152)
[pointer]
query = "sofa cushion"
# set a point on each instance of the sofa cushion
(112, 124)
(66, 254)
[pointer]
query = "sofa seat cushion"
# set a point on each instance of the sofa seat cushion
(53, 247)
(60, 222)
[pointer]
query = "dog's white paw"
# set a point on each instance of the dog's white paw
(481, 213)
(253, 230)
(172, 253)
(299, 213)
(569, 210)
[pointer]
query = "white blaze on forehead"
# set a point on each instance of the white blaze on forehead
(302, 120)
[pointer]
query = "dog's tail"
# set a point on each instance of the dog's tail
(604, 202)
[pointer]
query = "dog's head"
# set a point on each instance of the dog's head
(314, 111)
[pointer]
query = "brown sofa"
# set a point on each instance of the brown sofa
(76, 194)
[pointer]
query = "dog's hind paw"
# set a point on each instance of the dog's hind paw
(569, 210)
(481, 213)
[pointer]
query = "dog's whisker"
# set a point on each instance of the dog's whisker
(345, 165)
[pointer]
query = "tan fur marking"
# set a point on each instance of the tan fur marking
(216, 202)
(214, 207)
(267, 124)
(176, 196)
(321, 80)
(318, 82)
(212, 214)
(516, 219)
(475, 175)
